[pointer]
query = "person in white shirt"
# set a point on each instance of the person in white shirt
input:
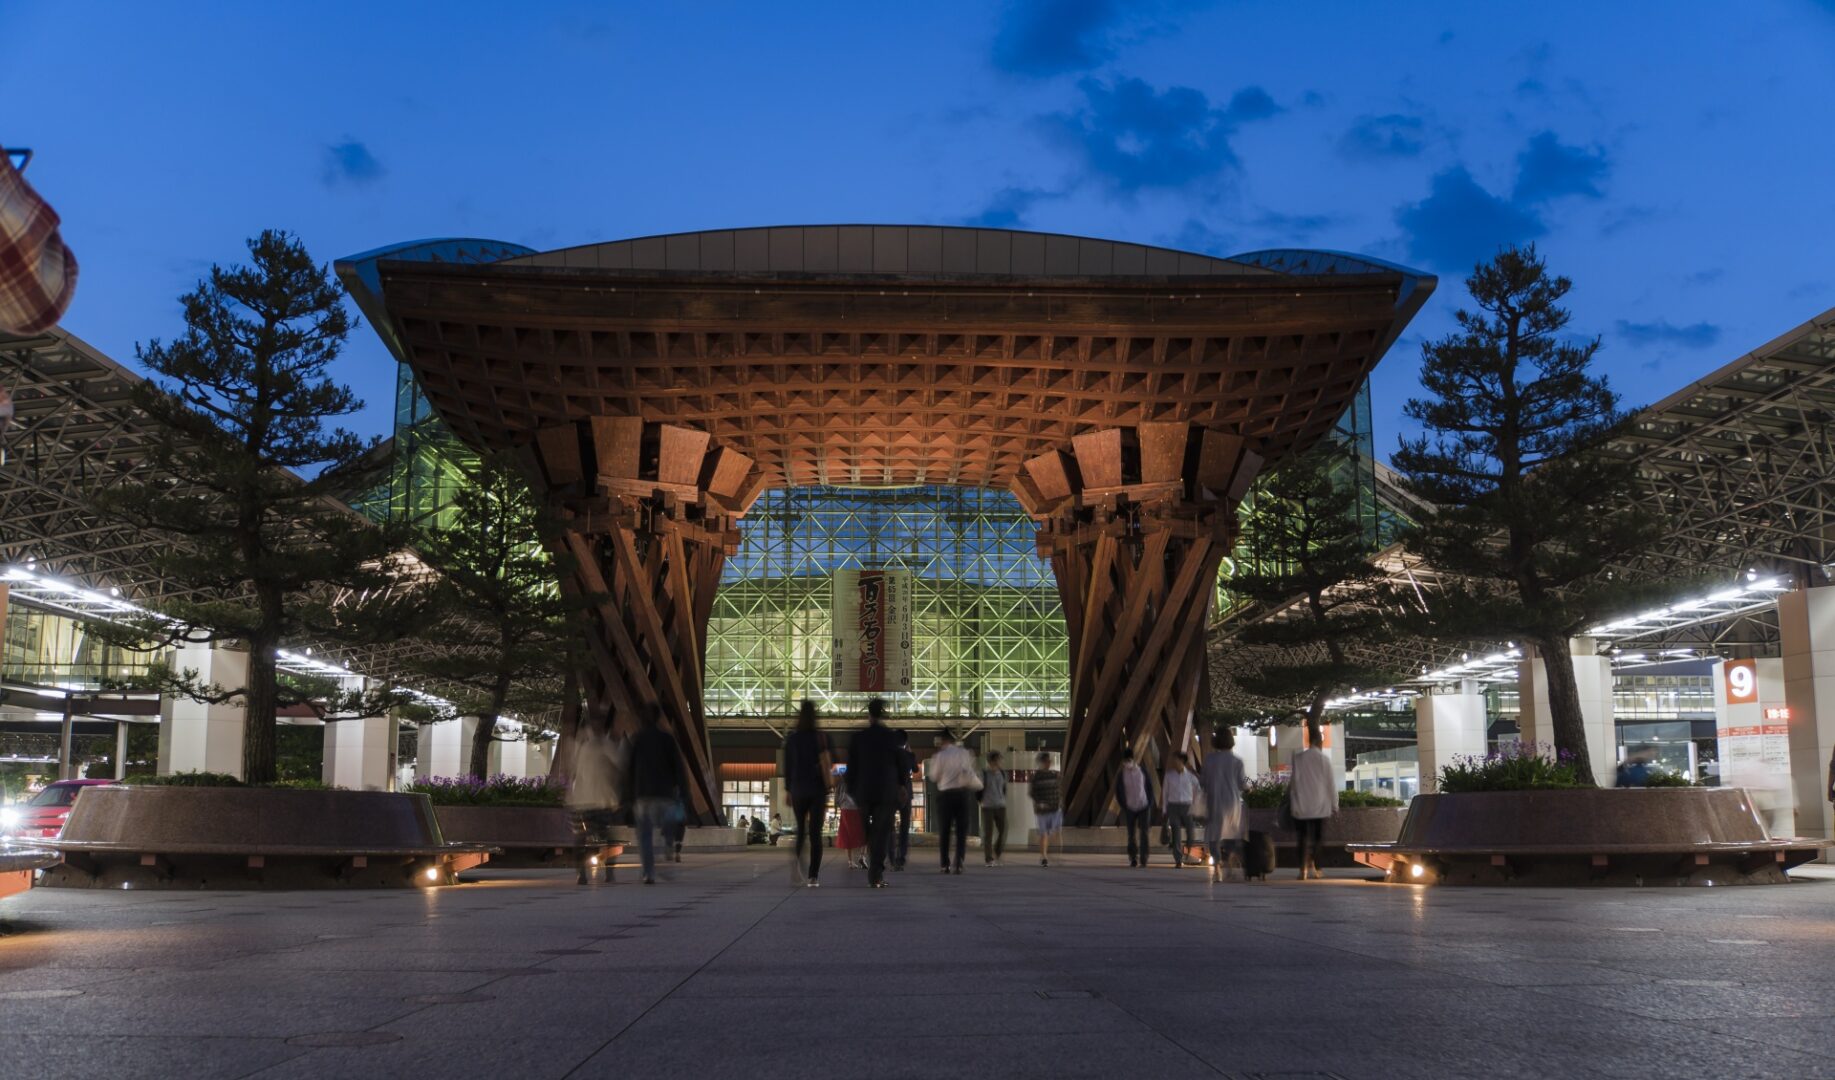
(1177, 791)
(952, 769)
(1312, 797)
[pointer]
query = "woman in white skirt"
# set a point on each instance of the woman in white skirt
(1221, 777)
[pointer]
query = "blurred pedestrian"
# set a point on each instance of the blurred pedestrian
(1221, 777)
(900, 843)
(1177, 791)
(656, 785)
(952, 770)
(809, 769)
(1312, 796)
(1134, 794)
(993, 810)
(1047, 804)
(873, 764)
(851, 833)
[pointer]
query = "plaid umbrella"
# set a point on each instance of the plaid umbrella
(37, 271)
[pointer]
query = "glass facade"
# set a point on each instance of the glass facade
(989, 635)
(45, 648)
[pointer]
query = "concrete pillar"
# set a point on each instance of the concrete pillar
(1256, 749)
(445, 748)
(1448, 724)
(1754, 751)
(1290, 740)
(511, 757)
(1593, 677)
(195, 737)
(1806, 626)
(360, 754)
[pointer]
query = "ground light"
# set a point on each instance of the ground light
(433, 873)
(1416, 870)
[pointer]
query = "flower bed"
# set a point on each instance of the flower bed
(498, 790)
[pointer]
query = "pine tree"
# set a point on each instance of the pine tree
(497, 623)
(266, 554)
(1530, 513)
(1312, 574)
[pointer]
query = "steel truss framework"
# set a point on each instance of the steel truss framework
(76, 433)
(989, 632)
(1115, 390)
(1740, 468)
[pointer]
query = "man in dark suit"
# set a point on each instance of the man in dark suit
(873, 764)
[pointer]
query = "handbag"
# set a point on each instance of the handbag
(1284, 816)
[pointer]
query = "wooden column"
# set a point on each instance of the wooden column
(647, 514)
(1135, 522)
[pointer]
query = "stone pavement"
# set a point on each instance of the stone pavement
(1082, 970)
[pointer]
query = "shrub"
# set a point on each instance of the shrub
(1354, 799)
(1523, 767)
(1265, 792)
(497, 791)
(194, 778)
(1665, 778)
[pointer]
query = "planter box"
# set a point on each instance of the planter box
(1353, 825)
(137, 837)
(1683, 836)
(699, 838)
(528, 836)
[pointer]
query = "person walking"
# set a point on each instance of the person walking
(1177, 791)
(1048, 804)
(872, 780)
(809, 766)
(907, 768)
(952, 770)
(1221, 778)
(1312, 796)
(993, 810)
(656, 787)
(850, 832)
(1134, 794)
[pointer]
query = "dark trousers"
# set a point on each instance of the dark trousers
(993, 832)
(953, 808)
(1309, 831)
(901, 841)
(1134, 822)
(877, 817)
(808, 813)
(1178, 816)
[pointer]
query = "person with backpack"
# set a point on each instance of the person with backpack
(952, 770)
(1048, 804)
(1134, 794)
(809, 766)
(993, 811)
(1177, 791)
(1221, 777)
(1312, 796)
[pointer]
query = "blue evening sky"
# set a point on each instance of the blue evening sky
(1675, 159)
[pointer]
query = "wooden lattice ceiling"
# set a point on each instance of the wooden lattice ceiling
(887, 379)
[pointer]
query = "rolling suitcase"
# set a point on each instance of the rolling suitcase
(1257, 856)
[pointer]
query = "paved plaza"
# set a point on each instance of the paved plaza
(1085, 969)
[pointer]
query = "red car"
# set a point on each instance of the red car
(42, 816)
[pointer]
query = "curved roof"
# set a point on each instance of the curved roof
(885, 354)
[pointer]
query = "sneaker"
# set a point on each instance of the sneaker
(881, 884)
(1132, 864)
(648, 880)
(1044, 862)
(812, 883)
(958, 868)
